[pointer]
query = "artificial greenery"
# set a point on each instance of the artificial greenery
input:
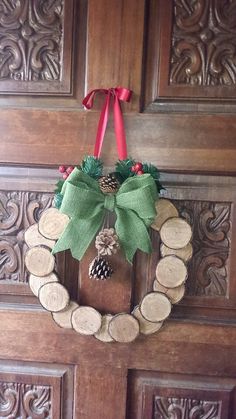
(58, 200)
(123, 169)
(154, 172)
(92, 166)
(59, 185)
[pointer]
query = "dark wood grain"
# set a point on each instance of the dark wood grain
(153, 395)
(111, 296)
(207, 204)
(165, 351)
(105, 387)
(36, 47)
(208, 269)
(113, 27)
(190, 53)
(43, 63)
(36, 390)
(24, 194)
(50, 138)
(19, 210)
(188, 126)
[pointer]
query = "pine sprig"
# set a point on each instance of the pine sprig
(58, 200)
(154, 172)
(123, 168)
(92, 166)
(59, 185)
(159, 186)
(151, 170)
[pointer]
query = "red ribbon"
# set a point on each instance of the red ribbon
(117, 94)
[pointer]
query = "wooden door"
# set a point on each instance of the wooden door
(178, 57)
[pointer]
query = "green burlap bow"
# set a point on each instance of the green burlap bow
(86, 205)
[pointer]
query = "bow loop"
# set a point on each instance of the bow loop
(121, 93)
(136, 194)
(89, 99)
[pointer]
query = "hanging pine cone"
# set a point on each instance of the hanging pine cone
(107, 242)
(99, 268)
(108, 183)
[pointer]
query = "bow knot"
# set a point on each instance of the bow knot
(121, 93)
(109, 202)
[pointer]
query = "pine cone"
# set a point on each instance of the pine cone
(107, 242)
(99, 268)
(108, 183)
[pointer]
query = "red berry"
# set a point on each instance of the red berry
(138, 166)
(133, 169)
(62, 169)
(140, 172)
(69, 170)
(65, 176)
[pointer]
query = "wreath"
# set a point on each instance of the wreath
(85, 198)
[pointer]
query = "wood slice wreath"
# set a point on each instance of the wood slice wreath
(155, 307)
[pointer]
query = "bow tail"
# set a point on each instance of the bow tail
(132, 233)
(78, 235)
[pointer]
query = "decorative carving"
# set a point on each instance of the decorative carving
(204, 43)
(31, 39)
(211, 226)
(166, 408)
(24, 401)
(18, 210)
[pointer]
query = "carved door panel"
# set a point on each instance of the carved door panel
(178, 57)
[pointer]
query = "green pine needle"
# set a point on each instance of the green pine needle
(58, 200)
(159, 186)
(154, 172)
(59, 185)
(92, 166)
(123, 168)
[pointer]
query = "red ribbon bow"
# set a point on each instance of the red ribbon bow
(117, 94)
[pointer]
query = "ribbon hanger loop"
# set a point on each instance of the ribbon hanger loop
(117, 94)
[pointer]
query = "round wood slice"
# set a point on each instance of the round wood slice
(36, 282)
(155, 307)
(176, 233)
(103, 333)
(174, 294)
(124, 328)
(146, 327)
(63, 318)
(52, 223)
(54, 296)
(171, 272)
(165, 209)
(34, 238)
(185, 253)
(39, 261)
(86, 320)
